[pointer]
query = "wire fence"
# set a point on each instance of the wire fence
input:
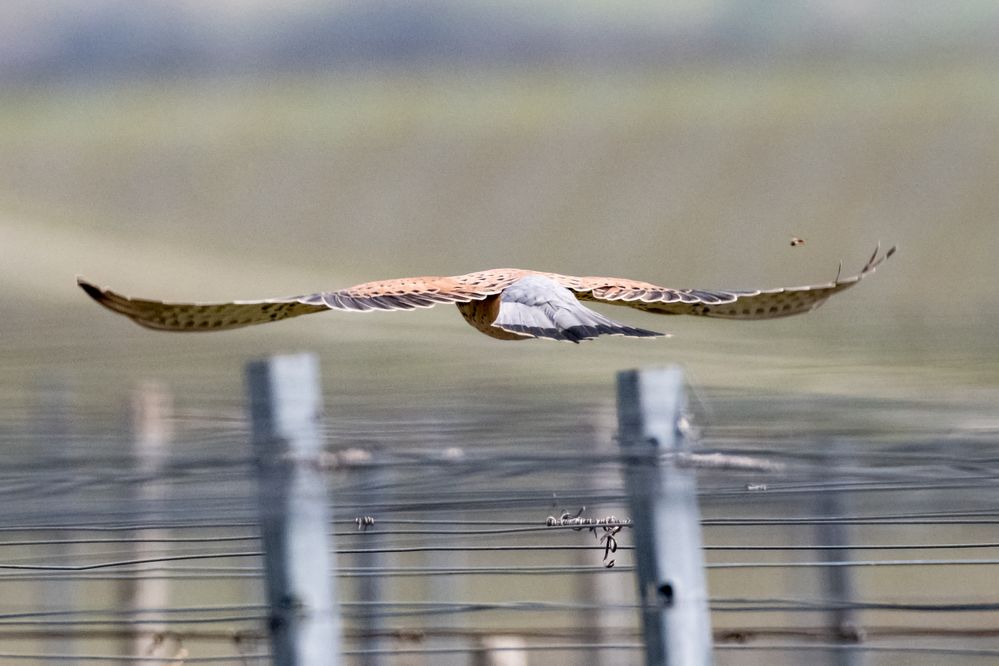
(464, 536)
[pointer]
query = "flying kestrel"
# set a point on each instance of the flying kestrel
(503, 303)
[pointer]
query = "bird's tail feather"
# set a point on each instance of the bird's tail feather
(566, 323)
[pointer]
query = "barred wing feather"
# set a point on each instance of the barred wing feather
(401, 294)
(728, 304)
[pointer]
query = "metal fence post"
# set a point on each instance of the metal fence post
(837, 580)
(372, 482)
(151, 412)
(285, 406)
(54, 419)
(664, 511)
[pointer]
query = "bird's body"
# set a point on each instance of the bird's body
(504, 303)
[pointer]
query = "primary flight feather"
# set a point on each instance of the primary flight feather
(503, 303)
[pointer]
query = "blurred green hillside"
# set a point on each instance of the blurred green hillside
(693, 178)
(242, 188)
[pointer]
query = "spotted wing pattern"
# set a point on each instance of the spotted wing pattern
(197, 316)
(728, 304)
(400, 294)
(418, 292)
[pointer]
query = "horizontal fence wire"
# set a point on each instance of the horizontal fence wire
(506, 522)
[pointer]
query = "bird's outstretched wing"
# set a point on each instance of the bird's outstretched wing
(729, 304)
(401, 294)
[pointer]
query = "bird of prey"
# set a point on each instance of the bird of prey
(503, 303)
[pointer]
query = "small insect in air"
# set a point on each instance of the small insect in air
(795, 241)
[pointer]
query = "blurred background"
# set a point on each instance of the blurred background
(185, 150)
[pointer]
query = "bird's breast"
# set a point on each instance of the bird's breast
(481, 315)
